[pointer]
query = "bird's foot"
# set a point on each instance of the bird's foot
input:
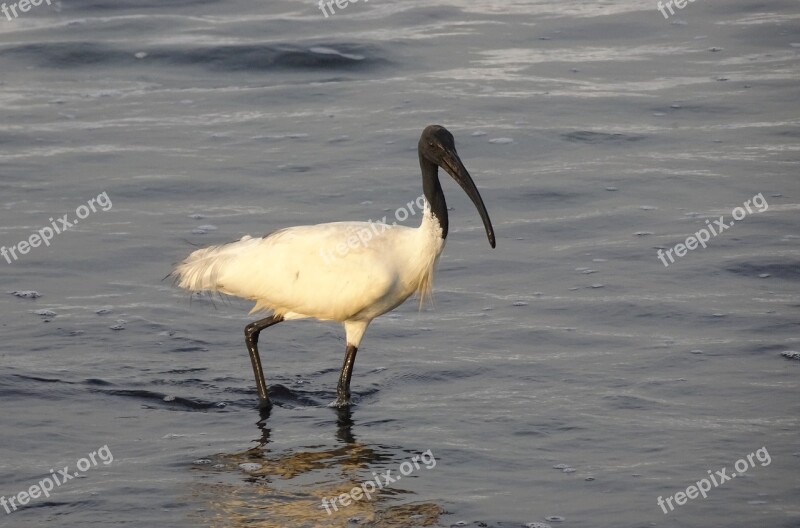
(264, 404)
(342, 402)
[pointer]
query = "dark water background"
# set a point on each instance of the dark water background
(597, 132)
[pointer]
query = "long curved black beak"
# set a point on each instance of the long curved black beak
(455, 168)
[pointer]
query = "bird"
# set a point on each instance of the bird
(292, 273)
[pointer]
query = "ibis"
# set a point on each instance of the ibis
(293, 274)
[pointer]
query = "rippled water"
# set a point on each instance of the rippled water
(566, 378)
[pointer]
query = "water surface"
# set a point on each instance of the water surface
(567, 377)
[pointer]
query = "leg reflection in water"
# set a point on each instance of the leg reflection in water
(268, 487)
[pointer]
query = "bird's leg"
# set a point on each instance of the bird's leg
(343, 389)
(251, 333)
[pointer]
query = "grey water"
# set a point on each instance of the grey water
(567, 378)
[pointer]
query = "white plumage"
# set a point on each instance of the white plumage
(298, 272)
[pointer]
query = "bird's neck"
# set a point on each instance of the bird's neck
(433, 193)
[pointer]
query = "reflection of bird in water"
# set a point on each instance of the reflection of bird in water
(286, 490)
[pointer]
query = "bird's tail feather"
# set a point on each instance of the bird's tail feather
(202, 269)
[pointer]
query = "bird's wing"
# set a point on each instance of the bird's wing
(327, 271)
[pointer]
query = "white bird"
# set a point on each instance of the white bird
(294, 273)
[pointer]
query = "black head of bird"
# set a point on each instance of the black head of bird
(437, 148)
